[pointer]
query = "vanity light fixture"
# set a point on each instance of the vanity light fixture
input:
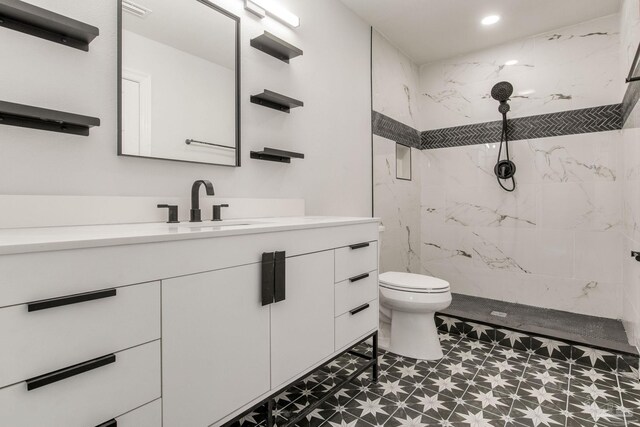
(135, 9)
(490, 20)
(511, 62)
(271, 8)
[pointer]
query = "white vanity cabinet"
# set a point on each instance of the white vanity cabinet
(215, 353)
(171, 327)
(222, 348)
(302, 325)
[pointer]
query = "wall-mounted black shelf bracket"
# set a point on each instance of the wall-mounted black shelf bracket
(27, 116)
(276, 101)
(36, 21)
(276, 47)
(275, 155)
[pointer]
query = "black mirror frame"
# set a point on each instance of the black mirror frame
(237, 106)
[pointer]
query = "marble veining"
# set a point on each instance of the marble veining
(493, 257)
(476, 213)
(558, 165)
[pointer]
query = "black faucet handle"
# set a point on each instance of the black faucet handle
(173, 213)
(216, 211)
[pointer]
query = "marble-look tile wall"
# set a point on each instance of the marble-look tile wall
(556, 241)
(395, 82)
(397, 202)
(566, 69)
(630, 38)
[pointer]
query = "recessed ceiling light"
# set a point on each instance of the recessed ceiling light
(490, 20)
(511, 62)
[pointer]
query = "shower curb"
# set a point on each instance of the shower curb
(625, 364)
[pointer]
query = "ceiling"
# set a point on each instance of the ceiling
(429, 30)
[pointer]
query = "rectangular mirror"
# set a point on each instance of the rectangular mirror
(179, 78)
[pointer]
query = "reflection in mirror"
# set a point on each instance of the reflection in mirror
(179, 81)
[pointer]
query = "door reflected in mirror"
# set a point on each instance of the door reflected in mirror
(179, 79)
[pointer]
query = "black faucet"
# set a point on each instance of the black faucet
(195, 213)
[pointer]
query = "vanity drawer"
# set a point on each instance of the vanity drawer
(355, 323)
(149, 415)
(89, 398)
(356, 291)
(48, 338)
(356, 259)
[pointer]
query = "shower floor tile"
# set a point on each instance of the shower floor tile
(476, 384)
(579, 328)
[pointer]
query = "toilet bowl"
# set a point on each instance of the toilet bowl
(410, 301)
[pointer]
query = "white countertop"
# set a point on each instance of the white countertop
(23, 240)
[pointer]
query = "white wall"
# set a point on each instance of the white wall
(332, 130)
(630, 38)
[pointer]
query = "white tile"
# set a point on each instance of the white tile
(598, 256)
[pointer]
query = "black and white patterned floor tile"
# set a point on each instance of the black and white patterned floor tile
(476, 384)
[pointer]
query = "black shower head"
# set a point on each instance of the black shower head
(501, 91)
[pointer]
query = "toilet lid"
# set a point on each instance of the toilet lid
(412, 282)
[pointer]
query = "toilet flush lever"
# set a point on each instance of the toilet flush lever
(636, 255)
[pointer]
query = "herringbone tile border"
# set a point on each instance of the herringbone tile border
(586, 120)
(392, 129)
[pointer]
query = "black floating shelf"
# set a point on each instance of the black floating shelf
(276, 47)
(276, 101)
(36, 21)
(27, 116)
(275, 155)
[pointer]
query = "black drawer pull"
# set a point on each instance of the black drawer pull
(360, 277)
(69, 372)
(359, 309)
(110, 423)
(359, 245)
(72, 299)
(280, 283)
(268, 277)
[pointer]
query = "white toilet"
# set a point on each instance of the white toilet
(409, 301)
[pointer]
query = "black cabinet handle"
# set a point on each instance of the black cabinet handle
(68, 372)
(110, 423)
(359, 245)
(71, 299)
(359, 309)
(268, 277)
(360, 277)
(279, 293)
